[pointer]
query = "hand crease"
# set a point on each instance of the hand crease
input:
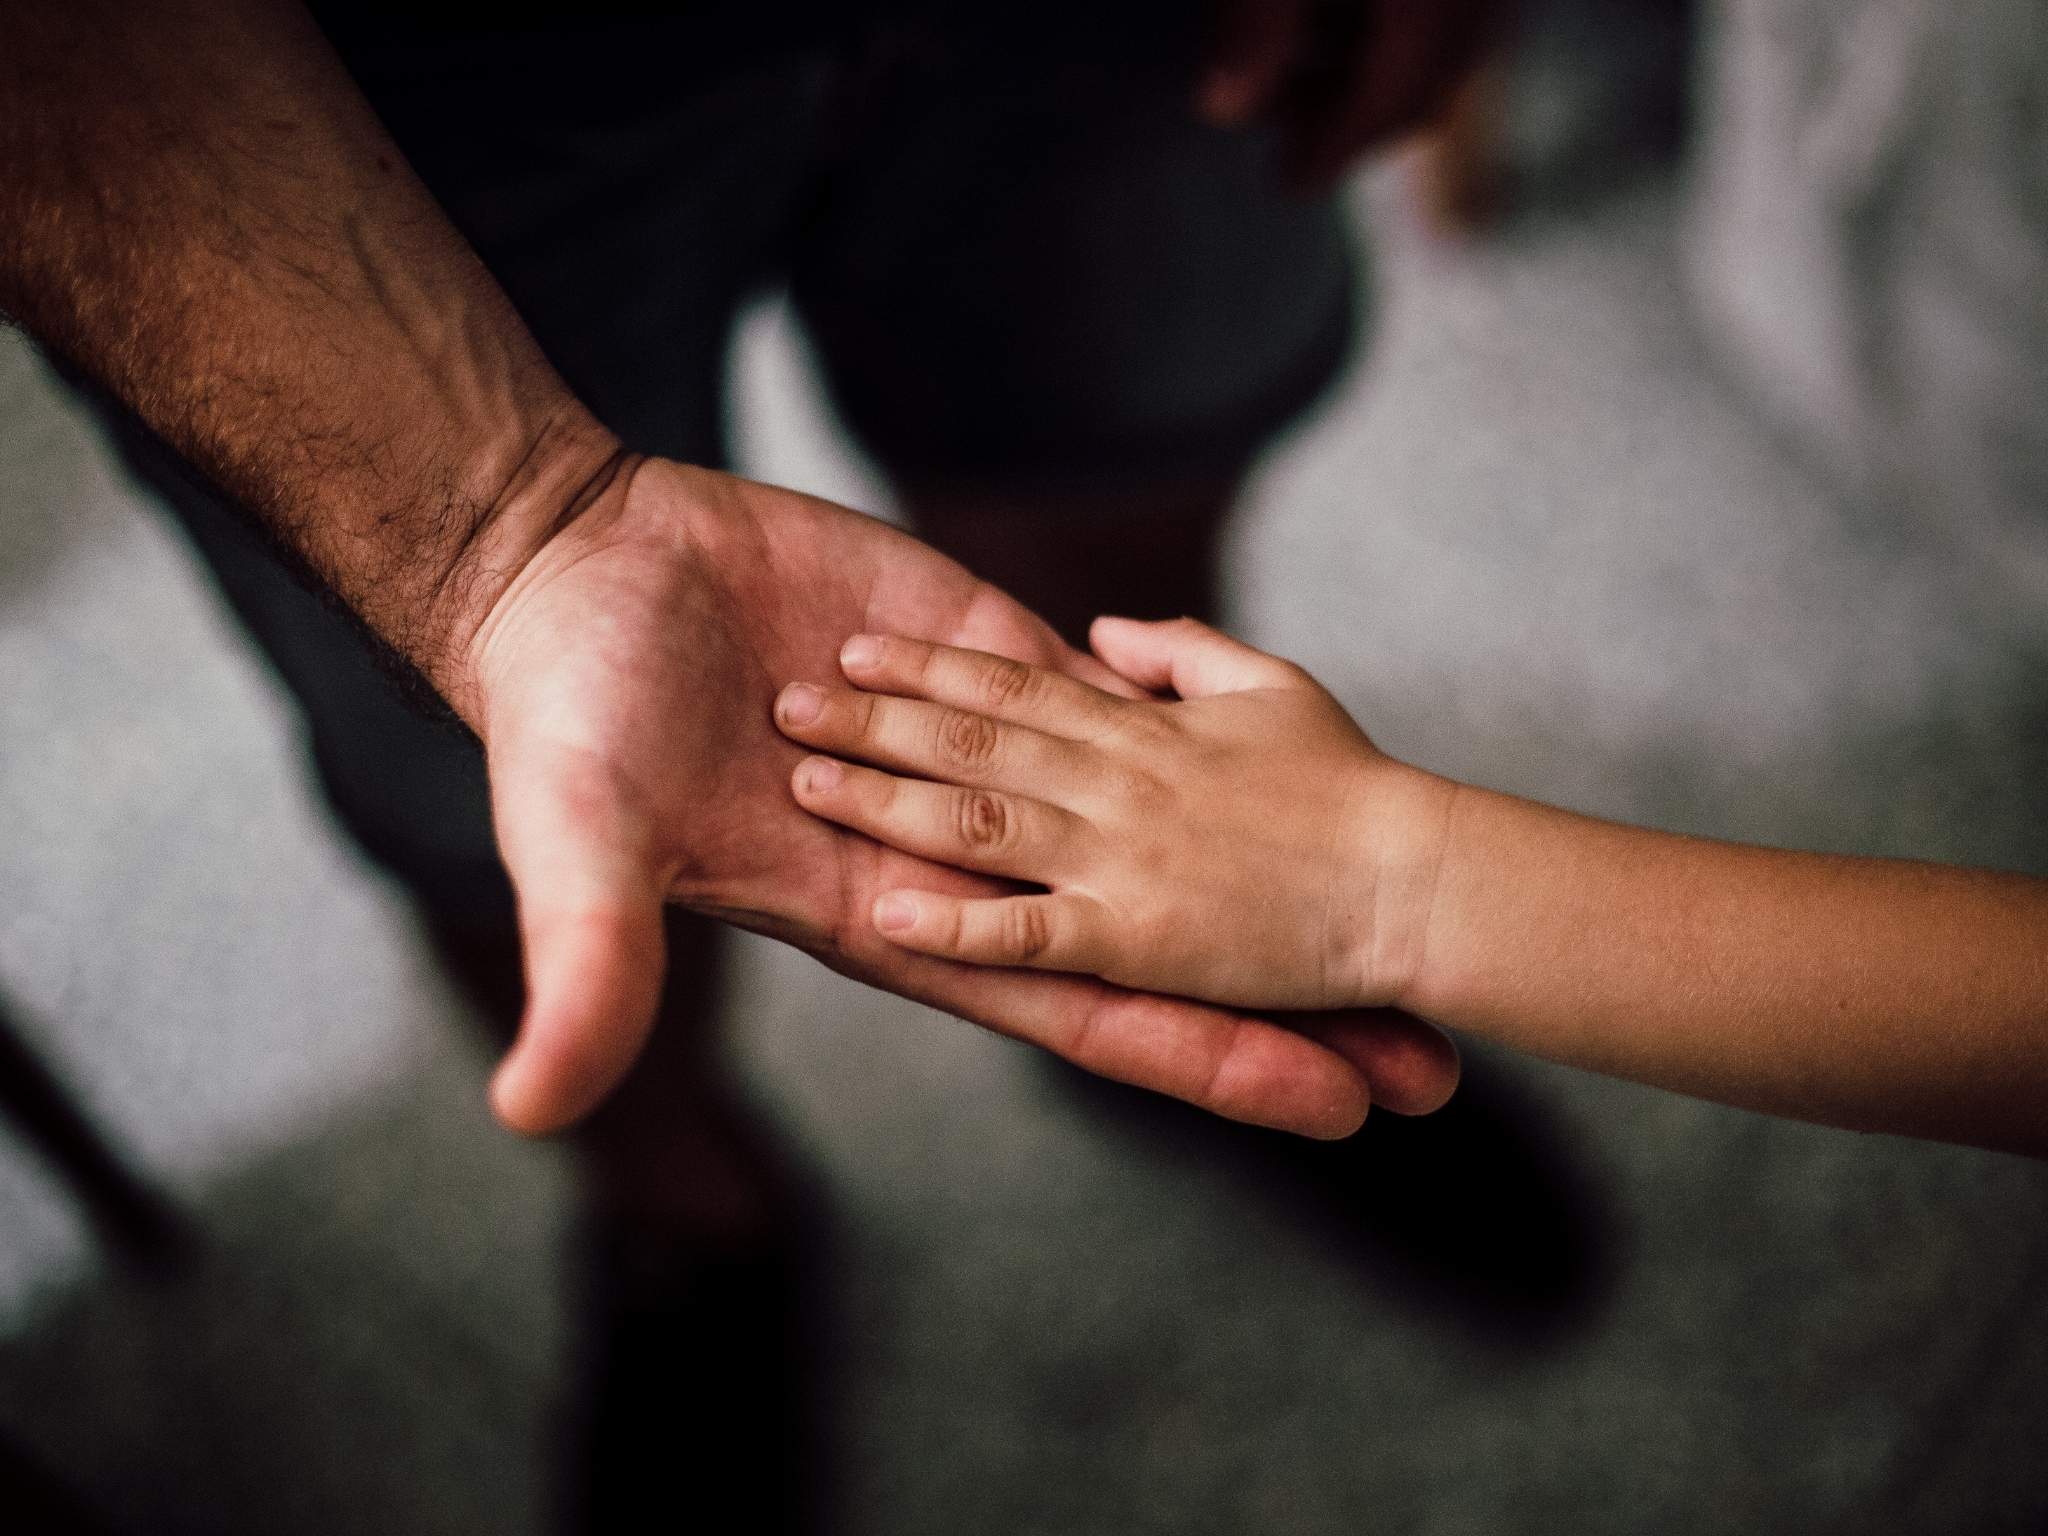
(1436, 885)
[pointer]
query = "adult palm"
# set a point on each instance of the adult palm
(624, 682)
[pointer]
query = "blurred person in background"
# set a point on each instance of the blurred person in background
(415, 317)
(1868, 254)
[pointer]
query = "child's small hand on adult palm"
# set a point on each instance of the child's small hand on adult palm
(1247, 844)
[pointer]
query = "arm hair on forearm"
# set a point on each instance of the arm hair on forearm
(199, 212)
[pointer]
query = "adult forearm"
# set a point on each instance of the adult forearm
(201, 212)
(1870, 993)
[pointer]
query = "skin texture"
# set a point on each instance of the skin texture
(205, 218)
(1155, 824)
(621, 780)
(1245, 842)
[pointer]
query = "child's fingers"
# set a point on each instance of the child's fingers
(974, 680)
(1189, 657)
(978, 829)
(929, 740)
(1047, 933)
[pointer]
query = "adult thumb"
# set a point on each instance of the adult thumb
(590, 927)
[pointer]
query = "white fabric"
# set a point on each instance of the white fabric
(1871, 252)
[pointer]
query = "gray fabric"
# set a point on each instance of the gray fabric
(1871, 254)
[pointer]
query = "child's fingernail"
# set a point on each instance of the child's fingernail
(820, 774)
(895, 912)
(800, 703)
(860, 651)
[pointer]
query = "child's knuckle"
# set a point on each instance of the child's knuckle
(1026, 931)
(1006, 683)
(983, 820)
(863, 718)
(966, 741)
(1146, 728)
(1142, 793)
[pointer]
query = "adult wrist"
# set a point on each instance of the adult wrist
(529, 488)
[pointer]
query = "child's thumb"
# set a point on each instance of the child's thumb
(1186, 656)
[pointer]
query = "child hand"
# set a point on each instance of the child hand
(1248, 846)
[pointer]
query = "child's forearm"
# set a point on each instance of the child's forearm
(1247, 844)
(1869, 993)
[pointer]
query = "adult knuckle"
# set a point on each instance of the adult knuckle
(967, 741)
(984, 820)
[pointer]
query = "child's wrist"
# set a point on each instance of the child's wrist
(1395, 841)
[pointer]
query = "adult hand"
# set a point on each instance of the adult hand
(623, 683)
(1338, 77)
(239, 252)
